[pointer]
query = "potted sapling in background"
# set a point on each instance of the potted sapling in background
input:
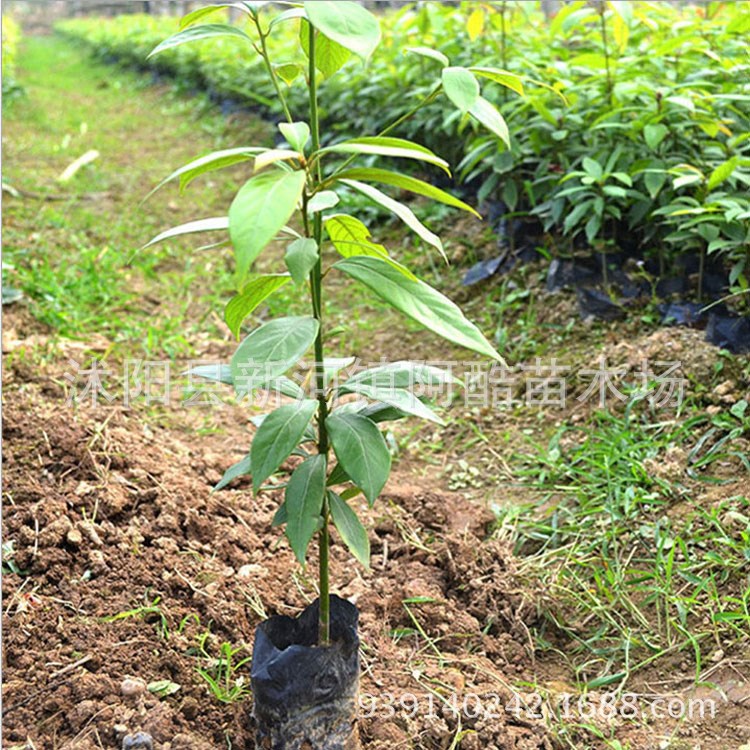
(305, 670)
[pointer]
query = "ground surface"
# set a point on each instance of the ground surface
(122, 570)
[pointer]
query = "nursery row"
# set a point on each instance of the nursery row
(629, 123)
(11, 39)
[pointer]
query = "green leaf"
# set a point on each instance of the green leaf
(419, 301)
(399, 209)
(260, 209)
(349, 526)
(347, 24)
(280, 517)
(361, 451)
(208, 163)
(304, 501)
(351, 237)
(196, 15)
(269, 351)
(201, 225)
(722, 172)
(503, 77)
(486, 114)
(412, 184)
(300, 258)
(432, 54)
(654, 134)
(592, 168)
(288, 72)
(196, 33)
(334, 365)
(296, 134)
(399, 398)
(252, 294)
(402, 374)
(330, 56)
(387, 146)
(321, 201)
(236, 470)
(274, 155)
(163, 688)
(217, 373)
(278, 435)
(461, 87)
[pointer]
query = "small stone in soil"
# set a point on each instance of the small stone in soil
(138, 741)
(132, 686)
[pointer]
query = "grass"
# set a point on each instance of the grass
(635, 570)
(159, 302)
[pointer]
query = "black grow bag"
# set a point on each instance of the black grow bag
(306, 695)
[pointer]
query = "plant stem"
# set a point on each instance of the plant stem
(606, 51)
(272, 74)
(316, 291)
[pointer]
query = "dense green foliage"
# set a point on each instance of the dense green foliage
(11, 40)
(632, 127)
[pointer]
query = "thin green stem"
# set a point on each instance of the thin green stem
(316, 292)
(272, 74)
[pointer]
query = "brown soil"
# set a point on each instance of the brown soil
(108, 515)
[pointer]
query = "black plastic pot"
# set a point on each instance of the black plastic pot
(306, 695)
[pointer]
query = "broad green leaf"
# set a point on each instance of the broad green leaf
(269, 351)
(722, 172)
(274, 155)
(337, 476)
(351, 237)
(592, 168)
(304, 501)
(361, 451)
(347, 24)
(461, 87)
(654, 181)
(300, 258)
(276, 438)
(432, 54)
(418, 301)
(486, 114)
(217, 373)
(503, 77)
(412, 184)
(399, 398)
(196, 15)
(196, 33)
(252, 294)
(350, 527)
(321, 201)
(236, 470)
(387, 146)
(288, 15)
(402, 374)
(296, 133)
(399, 209)
(654, 135)
(201, 225)
(208, 163)
(260, 209)
(288, 72)
(330, 56)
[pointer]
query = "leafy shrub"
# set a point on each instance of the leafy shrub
(631, 131)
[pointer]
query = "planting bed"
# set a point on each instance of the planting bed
(127, 582)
